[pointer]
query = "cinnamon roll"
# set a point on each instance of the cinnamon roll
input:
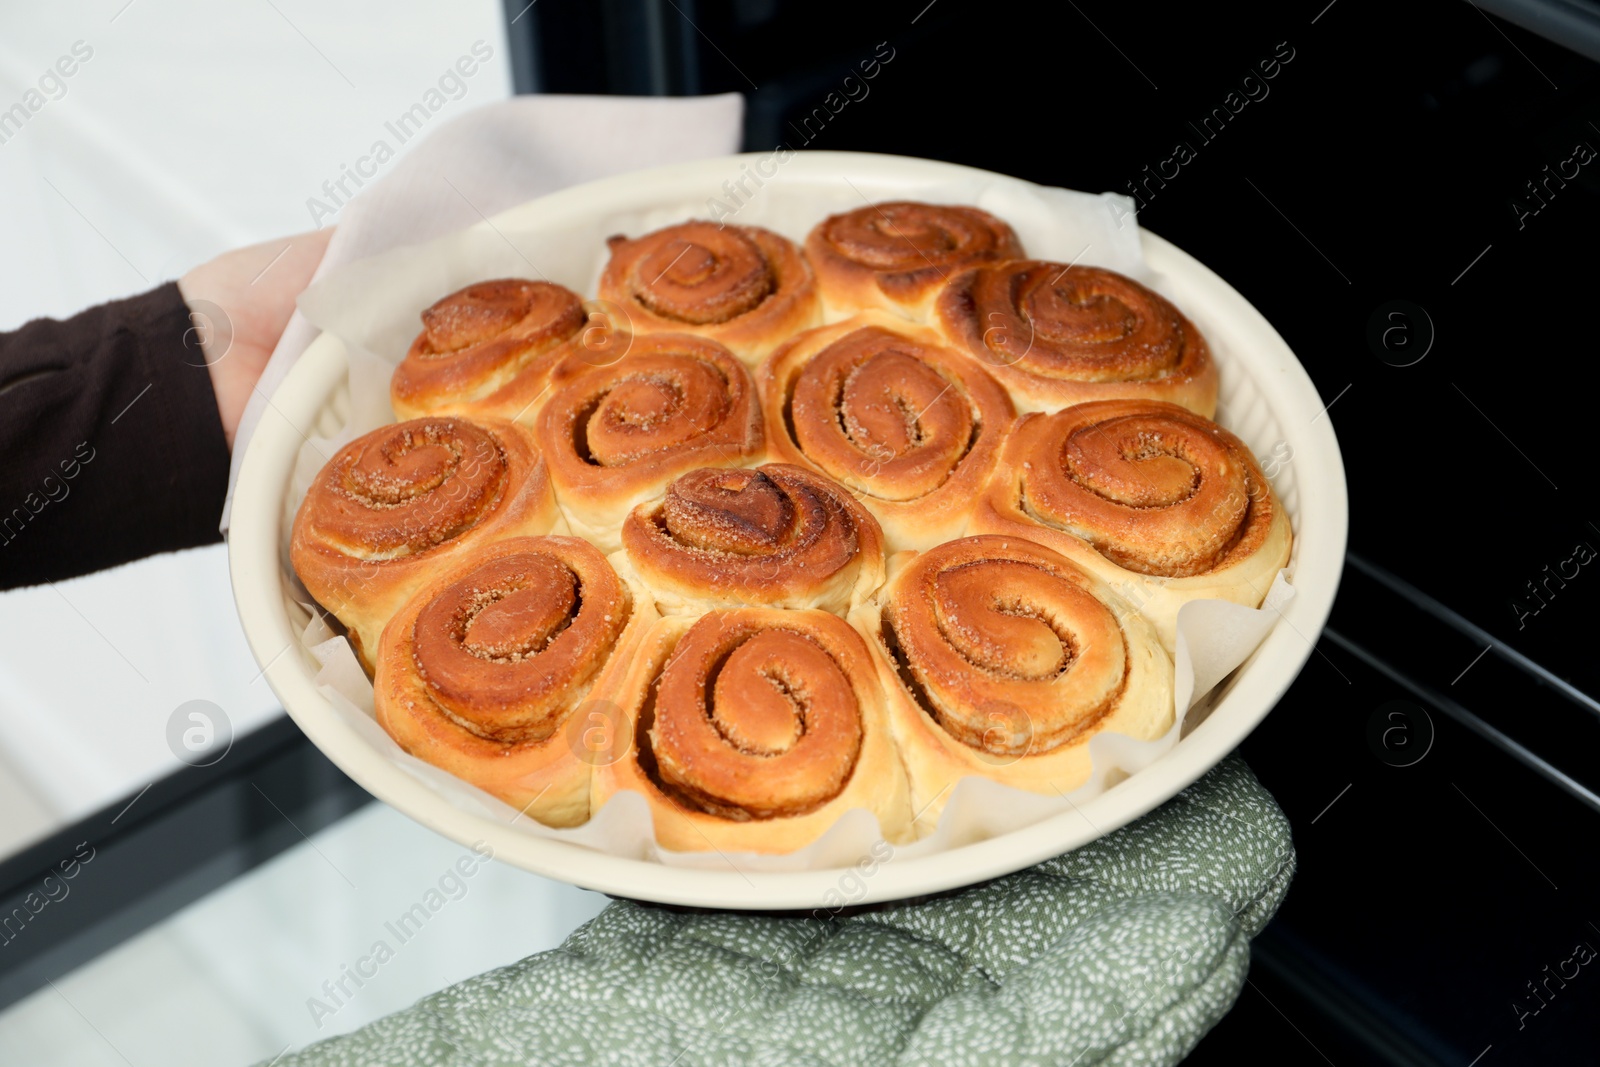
(395, 504)
(746, 287)
(616, 435)
(484, 672)
(490, 350)
(898, 255)
(755, 729)
(1056, 335)
(884, 408)
(1161, 504)
(1002, 659)
(776, 536)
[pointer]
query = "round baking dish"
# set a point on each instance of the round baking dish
(1267, 399)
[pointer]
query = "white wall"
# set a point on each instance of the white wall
(191, 128)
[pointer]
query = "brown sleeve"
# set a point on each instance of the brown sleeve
(111, 442)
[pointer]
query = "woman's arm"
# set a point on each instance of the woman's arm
(115, 424)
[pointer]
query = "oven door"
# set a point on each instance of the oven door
(1409, 194)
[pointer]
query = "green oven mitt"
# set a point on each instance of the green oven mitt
(1125, 951)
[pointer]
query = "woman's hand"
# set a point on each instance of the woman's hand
(240, 302)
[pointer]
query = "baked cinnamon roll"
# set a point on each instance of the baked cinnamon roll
(490, 350)
(395, 504)
(1056, 335)
(743, 286)
(755, 729)
(884, 408)
(1002, 659)
(1163, 505)
(898, 255)
(776, 536)
(617, 435)
(485, 671)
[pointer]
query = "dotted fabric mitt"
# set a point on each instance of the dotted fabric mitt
(1125, 951)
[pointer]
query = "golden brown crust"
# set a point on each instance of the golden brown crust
(1002, 659)
(776, 536)
(1057, 335)
(616, 435)
(755, 729)
(898, 255)
(884, 408)
(394, 504)
(484, 672)
(489, 350)
(1163, 505)
(743, 286)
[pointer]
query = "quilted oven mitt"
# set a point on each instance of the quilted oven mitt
(1125, 951)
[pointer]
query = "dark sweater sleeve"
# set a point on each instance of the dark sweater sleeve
(113, 448)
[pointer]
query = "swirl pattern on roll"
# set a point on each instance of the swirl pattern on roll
(1058, 334)
(406, 488)
(742, 285)
(1006, 644)
(478, 340)
(898, 254)
(883, 408)
(503, 645)
(756, 722)
(614, 435)
(776, 535)
(1153, 487)
(388, 503)
(480, 672)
